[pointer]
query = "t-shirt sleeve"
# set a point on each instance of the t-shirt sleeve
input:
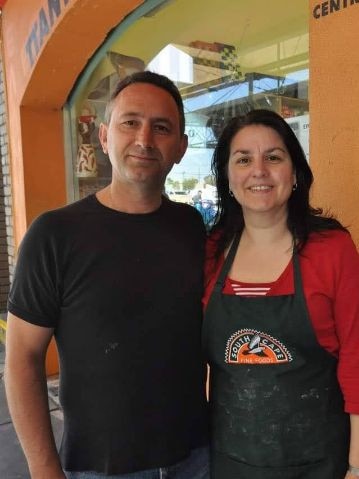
(346, 313)
(35, 291)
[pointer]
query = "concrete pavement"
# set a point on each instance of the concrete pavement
(12, 461)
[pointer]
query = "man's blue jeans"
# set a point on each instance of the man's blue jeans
(195, 466)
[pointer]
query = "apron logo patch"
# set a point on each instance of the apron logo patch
(248, 346)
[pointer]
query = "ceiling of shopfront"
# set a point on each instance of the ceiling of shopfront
(265, 34)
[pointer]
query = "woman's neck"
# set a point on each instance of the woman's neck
(264, 250)
(262, 230)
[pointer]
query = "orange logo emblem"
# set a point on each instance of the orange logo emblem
(249, 346)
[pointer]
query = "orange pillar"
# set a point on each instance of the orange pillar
(334, 112)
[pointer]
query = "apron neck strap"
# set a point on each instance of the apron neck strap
(227, 263)
(298, 285)
(218, 287)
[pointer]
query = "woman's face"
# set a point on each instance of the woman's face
(260, 170)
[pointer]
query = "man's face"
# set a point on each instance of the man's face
(143, 138)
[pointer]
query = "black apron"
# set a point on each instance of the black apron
(277, 410)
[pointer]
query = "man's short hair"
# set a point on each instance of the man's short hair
(152, 78)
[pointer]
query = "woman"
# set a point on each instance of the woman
(281, 329)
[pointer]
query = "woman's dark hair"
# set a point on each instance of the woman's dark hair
(302, 218)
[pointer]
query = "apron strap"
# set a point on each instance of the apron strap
(227, 264)
(218, 287)
(298, 284)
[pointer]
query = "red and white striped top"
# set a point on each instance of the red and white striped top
(240, 289)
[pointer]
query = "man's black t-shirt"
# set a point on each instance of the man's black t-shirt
(123, 294)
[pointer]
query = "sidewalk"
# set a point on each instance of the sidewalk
(12, 461)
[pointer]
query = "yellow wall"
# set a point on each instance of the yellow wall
(334, 109)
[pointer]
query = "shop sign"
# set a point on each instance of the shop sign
(331, 6)
(42, 27)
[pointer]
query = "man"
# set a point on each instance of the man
(208, 212)
(117, 278)
(197, 197)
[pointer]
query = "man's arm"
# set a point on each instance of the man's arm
(26, 390)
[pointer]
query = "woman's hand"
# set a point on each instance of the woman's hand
(354, 446)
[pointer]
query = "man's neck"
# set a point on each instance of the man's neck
(133, 201)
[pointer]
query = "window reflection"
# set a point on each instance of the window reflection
(226, 59)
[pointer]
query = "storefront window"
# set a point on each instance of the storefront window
(226, 58)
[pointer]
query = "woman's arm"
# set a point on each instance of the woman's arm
(346, 313)
(354, 446)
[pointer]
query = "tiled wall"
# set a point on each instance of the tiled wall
(6, 230)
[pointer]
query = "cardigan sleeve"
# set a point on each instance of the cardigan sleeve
(346, 314)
